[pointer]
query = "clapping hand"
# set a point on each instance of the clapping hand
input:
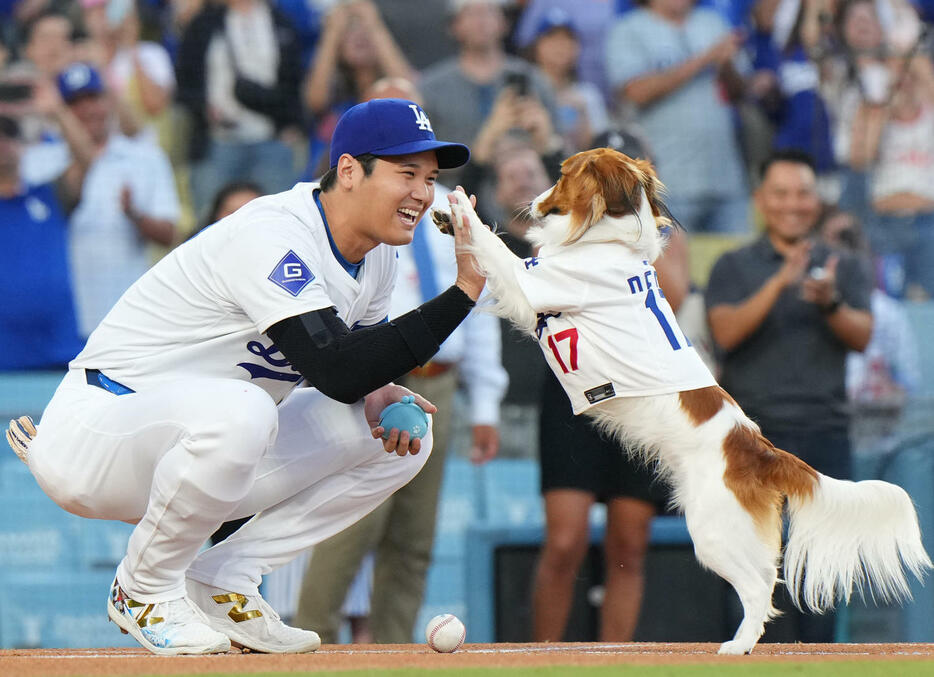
(820, 286)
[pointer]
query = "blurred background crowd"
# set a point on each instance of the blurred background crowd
(128, 125)
(136, 113)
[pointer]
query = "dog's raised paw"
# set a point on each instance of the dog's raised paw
(442, 220)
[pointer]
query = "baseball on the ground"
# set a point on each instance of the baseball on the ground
(445, 633)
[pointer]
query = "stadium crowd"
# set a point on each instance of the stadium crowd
(125, 123)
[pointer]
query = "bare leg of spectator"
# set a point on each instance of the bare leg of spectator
(627, 541)
(566, 539)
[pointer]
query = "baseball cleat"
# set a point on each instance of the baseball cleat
(21, 432)
(165, 628)
(250, 622)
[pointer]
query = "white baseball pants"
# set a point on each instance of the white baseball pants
(179, 459)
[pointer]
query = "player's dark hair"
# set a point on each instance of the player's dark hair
(329, 179)
(798, 157)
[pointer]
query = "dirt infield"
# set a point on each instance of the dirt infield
(70, 662)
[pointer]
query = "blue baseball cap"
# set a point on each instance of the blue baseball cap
(386, 127)
(79, 79)
(554, 19)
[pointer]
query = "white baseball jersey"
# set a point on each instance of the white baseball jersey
(202, 310)
(605, 327)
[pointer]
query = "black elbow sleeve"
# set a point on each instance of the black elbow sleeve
(309, 342)
(346, 365)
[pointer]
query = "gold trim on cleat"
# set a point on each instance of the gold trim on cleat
(144, 619)
(119, 612)
(236, 611)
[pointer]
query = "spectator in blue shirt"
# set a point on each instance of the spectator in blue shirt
(674, 62)
(38, 329)
(787, 49)
(734, 12)
(306, 20)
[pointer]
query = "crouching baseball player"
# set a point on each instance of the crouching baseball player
(181, 411)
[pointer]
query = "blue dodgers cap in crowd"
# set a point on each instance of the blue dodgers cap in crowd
(392, 127)
(79, 79)
(554, 19)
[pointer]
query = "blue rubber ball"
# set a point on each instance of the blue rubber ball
(404, 415)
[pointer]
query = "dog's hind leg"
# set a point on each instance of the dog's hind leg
(729, 544)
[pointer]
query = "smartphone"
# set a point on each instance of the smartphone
(13, 92)
(817, 273)
(519, 82)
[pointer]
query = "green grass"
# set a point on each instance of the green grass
(854, 668)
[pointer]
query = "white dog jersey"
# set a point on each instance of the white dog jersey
(604, 325)
(202, 310)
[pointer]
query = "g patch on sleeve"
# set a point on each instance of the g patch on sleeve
(291, 274)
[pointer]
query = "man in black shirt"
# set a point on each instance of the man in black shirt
(785, 310)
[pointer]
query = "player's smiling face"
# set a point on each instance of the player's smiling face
(397, 194)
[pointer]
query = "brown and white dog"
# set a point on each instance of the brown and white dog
(729, 481)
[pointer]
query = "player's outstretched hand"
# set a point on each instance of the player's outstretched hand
(373, 406)
(469, 277)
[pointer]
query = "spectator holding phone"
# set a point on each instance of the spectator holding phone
(592, 19)
(466, 88)
(355, 51)
(46, 47)
(515, 123)
(555, 49)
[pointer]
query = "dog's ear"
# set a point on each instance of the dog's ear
(622, 181)
(578, 194)
(654, 189)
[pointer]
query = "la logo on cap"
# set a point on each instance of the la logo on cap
(383, 127)
(421, 119)
(77, 76)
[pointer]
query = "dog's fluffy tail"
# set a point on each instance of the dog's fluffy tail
(852, 534)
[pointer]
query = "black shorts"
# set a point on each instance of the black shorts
(574, 455)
